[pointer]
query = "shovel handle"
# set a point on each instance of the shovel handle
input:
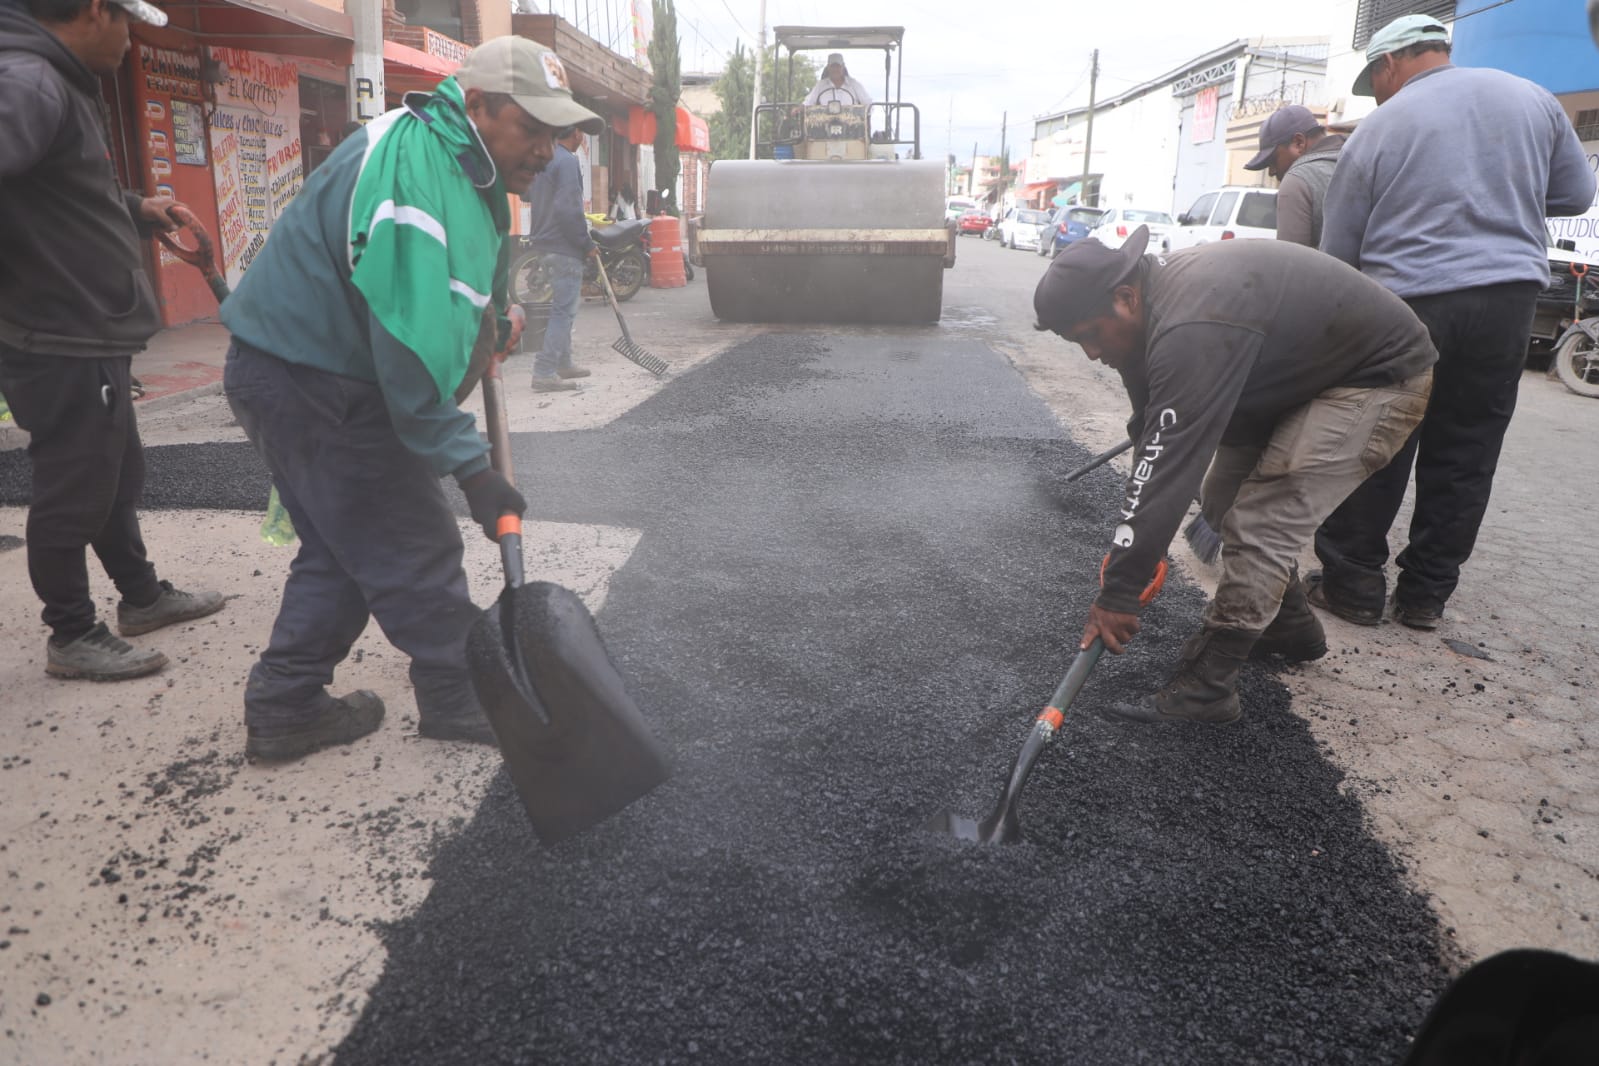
(509, 534)
(1099, 460)
(1070, 685)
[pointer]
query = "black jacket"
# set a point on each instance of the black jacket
(72, 277)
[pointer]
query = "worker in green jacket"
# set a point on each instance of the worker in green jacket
(353, 333)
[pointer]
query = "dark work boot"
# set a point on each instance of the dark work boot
(169, 608)
(449, 710)
(1205, 686)
(341, 721)
(1295, 634)
(99, 656)
(1363, 612)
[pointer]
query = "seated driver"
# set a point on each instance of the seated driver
(836, 86)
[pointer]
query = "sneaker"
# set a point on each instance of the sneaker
(573, 372)
(542, 384)
(170, 607)
(1316, 593)
(1417, 616)
(99, 656)
(343, 721)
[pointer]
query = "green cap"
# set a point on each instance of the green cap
(1402, 32)
(533, 77)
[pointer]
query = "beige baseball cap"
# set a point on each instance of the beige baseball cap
(533, 77)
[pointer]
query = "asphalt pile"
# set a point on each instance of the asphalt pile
(860, 576)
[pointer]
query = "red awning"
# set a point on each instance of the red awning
(1037, 186)
(693, 135)
(407, 69)
(282, 27)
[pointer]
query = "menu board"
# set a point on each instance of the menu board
(255, 151)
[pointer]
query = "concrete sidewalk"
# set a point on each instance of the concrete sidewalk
(178, 365)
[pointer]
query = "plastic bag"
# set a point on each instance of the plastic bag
(278, 528)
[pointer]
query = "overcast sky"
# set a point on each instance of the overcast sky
(967, 63)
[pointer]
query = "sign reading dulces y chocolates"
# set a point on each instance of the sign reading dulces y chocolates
(255, 151)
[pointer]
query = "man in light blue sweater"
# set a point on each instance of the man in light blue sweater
(1441, 196)
(560, 232)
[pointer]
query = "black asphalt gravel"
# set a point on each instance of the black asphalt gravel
(859, 578)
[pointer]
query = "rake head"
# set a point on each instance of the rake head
(654, 364)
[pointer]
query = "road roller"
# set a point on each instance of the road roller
(838, 218)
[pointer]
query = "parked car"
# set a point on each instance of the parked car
(1021, 226)
(956, 206)
(975, 221)
(1071, 223)
(1232, 212)
(1117, 223)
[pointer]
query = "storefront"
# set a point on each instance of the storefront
(216, 111)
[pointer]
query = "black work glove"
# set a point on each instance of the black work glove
(489, 496)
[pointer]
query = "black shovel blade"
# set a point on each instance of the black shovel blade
(577, 747)
(1002, 826)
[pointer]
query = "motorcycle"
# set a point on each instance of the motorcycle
(622, 250)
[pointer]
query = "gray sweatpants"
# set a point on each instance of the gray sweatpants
(377, 538)
(1316, 457)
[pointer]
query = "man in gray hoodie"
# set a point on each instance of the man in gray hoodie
(1297, 150)
(75, 305)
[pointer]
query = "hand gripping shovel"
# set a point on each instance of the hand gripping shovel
(575, 744)
(624, 344)
(1002, 826)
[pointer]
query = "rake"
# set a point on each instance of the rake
(625, 344)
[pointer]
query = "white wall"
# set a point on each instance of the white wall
(1134, 149)
(1344, 65)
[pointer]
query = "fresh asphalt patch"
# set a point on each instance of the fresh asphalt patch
(860, 576)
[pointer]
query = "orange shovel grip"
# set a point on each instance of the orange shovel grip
(508, 523)
(1151, 590)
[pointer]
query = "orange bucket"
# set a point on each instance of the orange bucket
(666, 253)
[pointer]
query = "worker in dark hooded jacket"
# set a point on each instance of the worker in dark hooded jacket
(75, 306)
(1263, 344)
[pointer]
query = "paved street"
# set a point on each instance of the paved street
(841, 572)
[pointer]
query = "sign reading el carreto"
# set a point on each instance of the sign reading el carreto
(255, 151)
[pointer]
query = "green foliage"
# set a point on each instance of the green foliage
(730, 127)
(664, 93)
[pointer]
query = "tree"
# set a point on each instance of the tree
(664, 92)
(730, 127)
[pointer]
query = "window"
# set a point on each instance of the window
(1199, 214)
(1224, 209)
(1587, 125)
(1373, 15)
(1157, 218)
(1259, 210)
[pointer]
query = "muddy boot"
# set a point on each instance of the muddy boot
(99, 656)
(169, 608)
(340, 721)
(1295, 634)
(1205, 687)
(449, 710)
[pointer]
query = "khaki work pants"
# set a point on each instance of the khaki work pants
(1317, 456)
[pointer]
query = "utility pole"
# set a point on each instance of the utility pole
(1004, 160)
(971, 179)
(760, 62)
(1088, 138)
(949, 150)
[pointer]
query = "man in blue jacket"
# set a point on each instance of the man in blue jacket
(561, 233)
(1441, 196)
(75, 305)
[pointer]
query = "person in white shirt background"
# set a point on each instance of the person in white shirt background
(836, 85)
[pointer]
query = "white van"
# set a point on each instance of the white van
(956, 206)
(1232, 212)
